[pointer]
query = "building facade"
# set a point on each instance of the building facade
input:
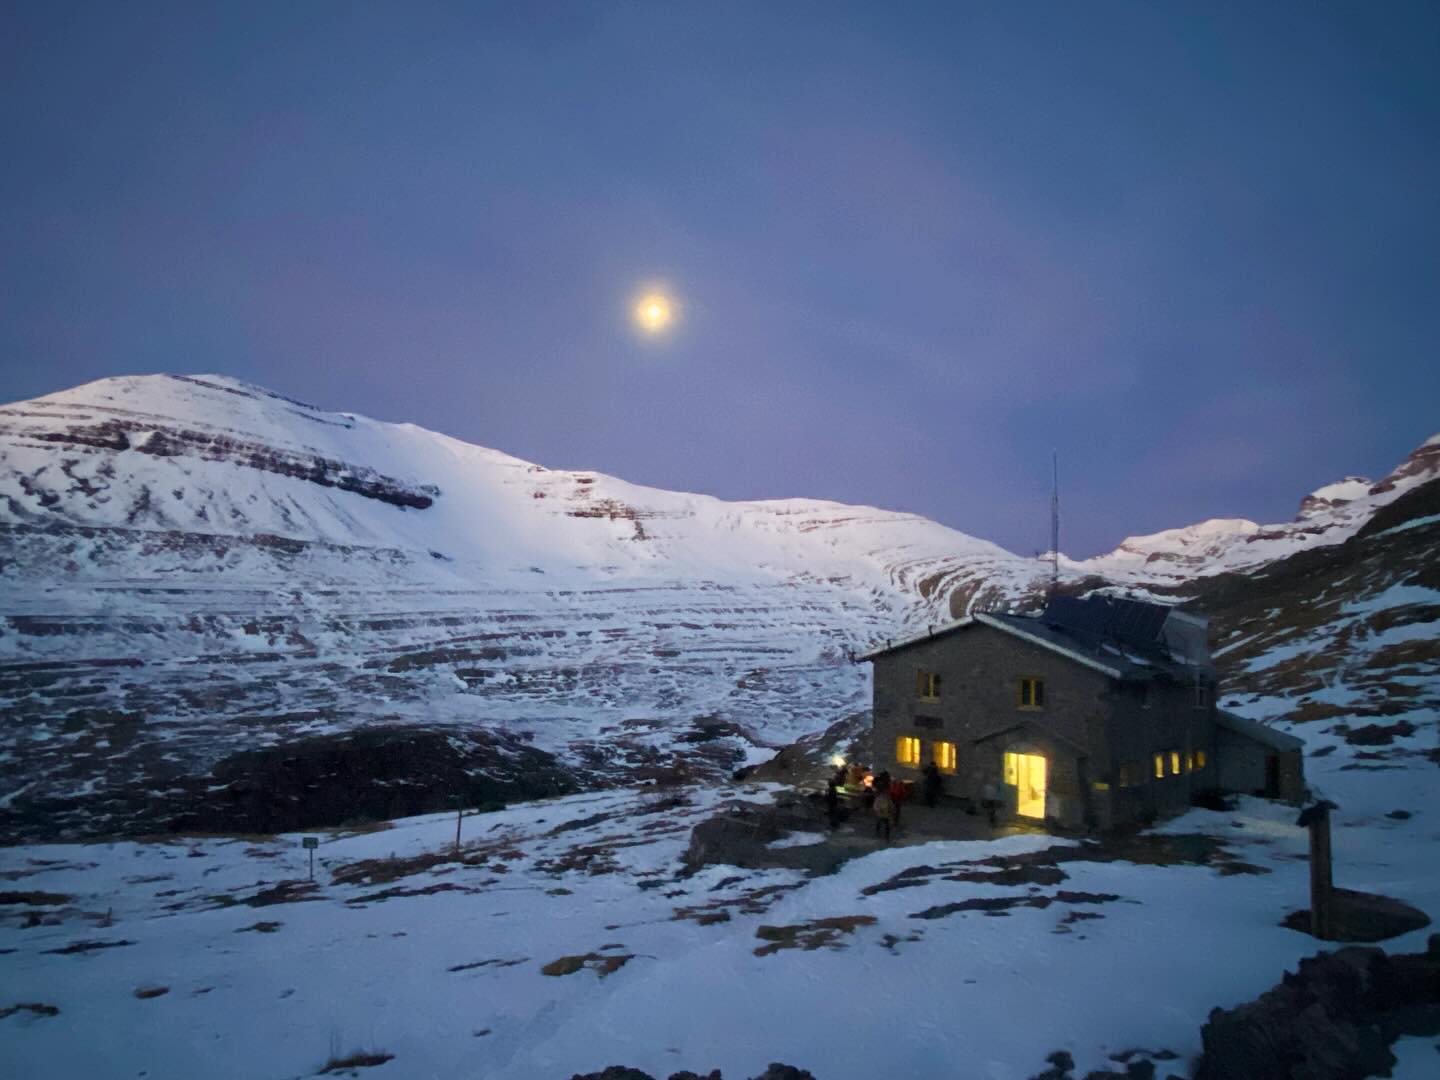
(1096, 714)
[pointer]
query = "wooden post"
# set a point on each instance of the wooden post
(1322, 886)
(459, 813)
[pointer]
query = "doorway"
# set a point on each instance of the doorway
(1027, 773)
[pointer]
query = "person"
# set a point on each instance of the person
(933, 784)
(832, 803)
(883, 809)
(992, 800)
(898, 794)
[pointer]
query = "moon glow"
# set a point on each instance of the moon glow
(653, 312)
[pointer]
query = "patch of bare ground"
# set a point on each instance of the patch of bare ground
(383, 871)
(78, 947)
(815, 934)
(604, 965)
(1042, 867)
(497, 963)
(753, 902)
(361, 1059)
(1001, 905)
(1379, 734)
(260, 928)
(146, 992)
(398, 891)
(36, 899)
(283, 892)
(34, 1008)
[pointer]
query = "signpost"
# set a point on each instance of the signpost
(311, 843)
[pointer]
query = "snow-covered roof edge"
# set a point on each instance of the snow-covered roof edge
(1253, 729)
(998, 624)
(914, 639)
(1045, 643)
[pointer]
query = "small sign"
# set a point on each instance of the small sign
(311, 841)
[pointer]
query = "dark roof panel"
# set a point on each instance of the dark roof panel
(1109, 618)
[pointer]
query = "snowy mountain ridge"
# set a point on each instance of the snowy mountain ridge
(201, 580)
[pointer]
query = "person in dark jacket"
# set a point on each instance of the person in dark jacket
(832, 803)
(933, 784)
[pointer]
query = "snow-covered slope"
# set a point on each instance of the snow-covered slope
(209, 592)
(192, 568)
(1327, 516)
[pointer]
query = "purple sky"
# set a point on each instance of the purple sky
(1194, 247)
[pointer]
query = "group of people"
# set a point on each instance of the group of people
(883, 796)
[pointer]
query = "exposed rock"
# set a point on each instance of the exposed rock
(1360, 916)
(1334, 1019)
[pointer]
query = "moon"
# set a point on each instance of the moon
(654, 312)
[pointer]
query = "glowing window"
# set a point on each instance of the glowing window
(1031, 693)
(907, 750)
(1012, 768)
(927, 685)
(1159, 766)
(945, 756)
(1174, 762)
(1199, 758)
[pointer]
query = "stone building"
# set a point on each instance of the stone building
(1098, 713)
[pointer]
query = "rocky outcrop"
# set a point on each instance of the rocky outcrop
(774, 1071)
(1333, 1019)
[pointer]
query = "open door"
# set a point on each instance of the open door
(1027, 772)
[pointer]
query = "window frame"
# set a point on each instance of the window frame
(903, 743)
(938, 757)
(927, 685)
(1035, 685)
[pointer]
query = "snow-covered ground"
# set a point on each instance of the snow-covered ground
(442, 964)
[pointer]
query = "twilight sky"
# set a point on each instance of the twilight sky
(1194, 247)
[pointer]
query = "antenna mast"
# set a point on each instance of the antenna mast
(1055, 521)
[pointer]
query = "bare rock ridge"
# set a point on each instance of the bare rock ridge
(199, 577)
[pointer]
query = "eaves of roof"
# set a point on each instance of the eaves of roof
(1053, 646)
(1005, 627)
(915, 639)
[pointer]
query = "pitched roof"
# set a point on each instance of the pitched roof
(1116, 637)
(1253, 729)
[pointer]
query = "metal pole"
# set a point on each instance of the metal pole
(312, 864)
(1321, 880)
(459, 813)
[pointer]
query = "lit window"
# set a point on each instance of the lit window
(945, 756)
(907, 750)
(1199, 757)
(1012, 768)
(1159, 766)
(1031, 693)
(1174, 762)
(927, 685)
